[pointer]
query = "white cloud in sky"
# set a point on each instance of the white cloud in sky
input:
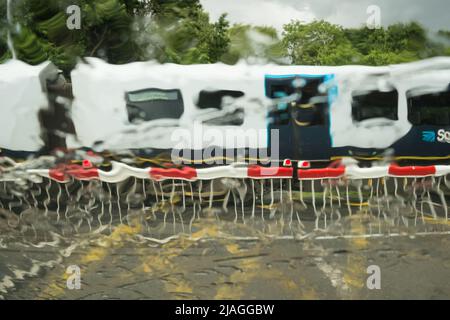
(433, 14)
(258, 12)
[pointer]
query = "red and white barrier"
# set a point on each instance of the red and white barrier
(355, 172)
(258, 172)
(314, 174)
(121, 172)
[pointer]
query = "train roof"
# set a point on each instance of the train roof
(216, 70)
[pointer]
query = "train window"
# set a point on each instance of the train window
(153, 104)
(375, 104)
(235, 118)
(308, 113)
(276, 89)
(429, 109)
(309, 109)
(214, 99)
(153, 95)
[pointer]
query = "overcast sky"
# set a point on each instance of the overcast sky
(433, 14)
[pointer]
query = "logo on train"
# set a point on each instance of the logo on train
(428, 136)
(442, 136)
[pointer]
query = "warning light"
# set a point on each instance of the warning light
(87, 164)
(304, 164)
(287, 163)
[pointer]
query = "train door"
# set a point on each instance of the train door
(301, 114)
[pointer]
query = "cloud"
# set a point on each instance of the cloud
(433, 14)
(258, 12)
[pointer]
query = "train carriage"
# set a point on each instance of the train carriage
(23, 92)
(204, 133)
(298, 112)
(220, 112)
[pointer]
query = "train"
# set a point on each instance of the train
(217, 113)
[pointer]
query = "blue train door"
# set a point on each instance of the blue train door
(301, 114)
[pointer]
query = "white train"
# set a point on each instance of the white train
(266, 111)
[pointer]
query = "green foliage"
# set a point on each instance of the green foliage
(321, 43)
(318, 43)
(248, 41)
(30, 48)
(217, 40)
(44, 34)
(180, 31)
(4, 53)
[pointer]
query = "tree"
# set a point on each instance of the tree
(317, 43)
(217, 39)
(180, 31)
(406, 37)
(258, 42)
(443, 42)
(43, 33)
(182, 34)
(366, 40)
(4, 53)
(320, 43)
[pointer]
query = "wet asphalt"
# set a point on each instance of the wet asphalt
(208, 265)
